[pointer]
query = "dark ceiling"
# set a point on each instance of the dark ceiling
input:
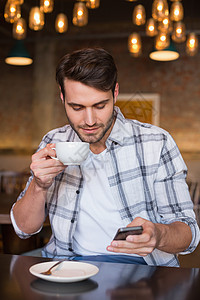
(113, 17)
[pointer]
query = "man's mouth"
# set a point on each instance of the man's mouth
(90, 130)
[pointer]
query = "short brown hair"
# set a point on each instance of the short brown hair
(94, 67)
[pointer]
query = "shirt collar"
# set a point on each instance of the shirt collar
(120, 130)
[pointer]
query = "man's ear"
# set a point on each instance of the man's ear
(116, 92)
(61, 96)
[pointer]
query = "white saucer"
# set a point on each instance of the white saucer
(67, 271)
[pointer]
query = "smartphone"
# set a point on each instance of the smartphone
(122, 233)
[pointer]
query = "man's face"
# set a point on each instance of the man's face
(90, 111)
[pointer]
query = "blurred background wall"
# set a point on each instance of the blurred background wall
(29, 96)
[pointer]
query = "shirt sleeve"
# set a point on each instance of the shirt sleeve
(18, 231)
(172, 194)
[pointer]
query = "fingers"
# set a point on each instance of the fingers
(44, 153)
(44, 168)
(141, 249)
(142, 244)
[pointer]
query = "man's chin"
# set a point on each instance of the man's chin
(90, 140)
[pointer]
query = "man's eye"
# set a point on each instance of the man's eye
(76, 108)
(100, 106)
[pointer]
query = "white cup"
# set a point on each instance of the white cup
(71, 153)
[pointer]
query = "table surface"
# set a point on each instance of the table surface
(113, 282)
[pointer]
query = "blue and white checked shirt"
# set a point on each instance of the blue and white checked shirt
(146, 174)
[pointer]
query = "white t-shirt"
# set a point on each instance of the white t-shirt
(98, 218)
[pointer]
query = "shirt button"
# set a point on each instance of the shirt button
(72, 220)
(77, 191)
(70, 249)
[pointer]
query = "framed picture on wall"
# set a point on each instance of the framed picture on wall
(140, 106)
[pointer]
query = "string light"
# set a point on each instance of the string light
(162, 41)
(61, 23)
(176, 12)
(19, 29)
(134, 44)
(46, 6)
(36, 18)
(139, 15)
(80, 14)
(160, 9)
(178, 34)
(151, 29)
(12, 12)
(165, 25)
(192, 44)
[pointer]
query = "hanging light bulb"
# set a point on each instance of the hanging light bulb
(36, 18)
(19, 29)
(61, 23)
(151, 29)
(80, 14)
(176, 11)
(162, 41)
(165, 25)
(134, 44)
(178, 34)
(92, 4)
(12, 12)
(46, 6)
(192, 44)
(139, 15)
(160, 9)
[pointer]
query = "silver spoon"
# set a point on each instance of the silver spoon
(48, 272)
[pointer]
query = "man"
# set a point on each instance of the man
(133, 176)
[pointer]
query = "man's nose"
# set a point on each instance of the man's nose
(90, 117)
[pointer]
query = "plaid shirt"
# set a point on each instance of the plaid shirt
(146, 174)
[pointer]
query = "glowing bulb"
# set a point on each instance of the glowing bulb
(192, 44)
(151, 29)
(12, 12)
(61, 23)
(160, 9)
(134, 44)
(139, 15)
(19, 29)
(36, 18)
(12, 9)
(163, 38)
(165, 21)
(80, 14)
(46, 3)
(178, 34)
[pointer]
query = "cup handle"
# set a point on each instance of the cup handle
(53, 156)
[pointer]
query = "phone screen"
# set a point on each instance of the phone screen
(122, 233)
